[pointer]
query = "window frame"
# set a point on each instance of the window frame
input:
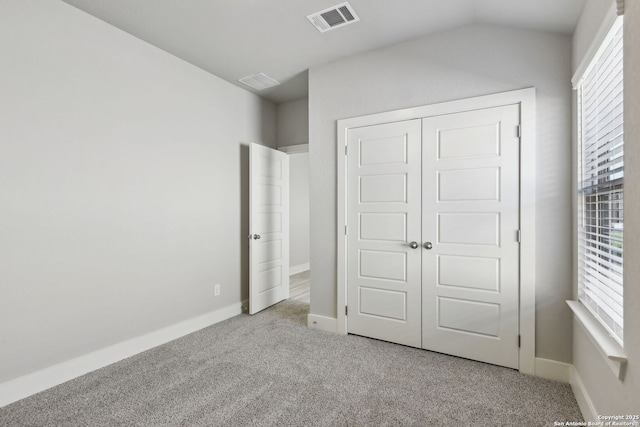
(585, 71)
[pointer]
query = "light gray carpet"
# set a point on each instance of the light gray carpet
(270, 370)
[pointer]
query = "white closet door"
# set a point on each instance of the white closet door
(383, 217)
(470, 221)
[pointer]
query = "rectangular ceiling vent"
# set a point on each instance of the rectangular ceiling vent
(259, 81)
(333, 17)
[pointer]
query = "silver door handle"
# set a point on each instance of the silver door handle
(428, 245)
(256, 236)
(414, 245)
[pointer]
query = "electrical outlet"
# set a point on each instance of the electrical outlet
(216, 290)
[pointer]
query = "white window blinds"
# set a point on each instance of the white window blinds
(601, 176)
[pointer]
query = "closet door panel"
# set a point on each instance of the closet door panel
(383, 218)
(470, 216)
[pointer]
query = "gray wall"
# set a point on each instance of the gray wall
(466, 62)
(608, 395)
(123, 186)
(293, 122)
(588, 25)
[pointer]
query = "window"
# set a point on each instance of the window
(601, 184)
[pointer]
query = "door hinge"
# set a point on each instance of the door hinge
(519, 131)
(345, 150)
(346, 230)
(519, 236)
(346, 310)
(519, 341)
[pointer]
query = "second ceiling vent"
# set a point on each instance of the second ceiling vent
(333, 17)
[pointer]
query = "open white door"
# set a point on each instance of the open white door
(269, 227)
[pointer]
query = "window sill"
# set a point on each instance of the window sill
(609, 348)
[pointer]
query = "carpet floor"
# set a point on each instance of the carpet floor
(270, 370)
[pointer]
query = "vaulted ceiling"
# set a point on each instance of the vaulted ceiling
(236, 38)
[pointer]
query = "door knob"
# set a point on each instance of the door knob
(414, 245)
(428, 245)
(256, 236)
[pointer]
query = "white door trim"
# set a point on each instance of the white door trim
(526, 99)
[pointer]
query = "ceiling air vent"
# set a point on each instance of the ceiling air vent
(259, 81)
(334, 17)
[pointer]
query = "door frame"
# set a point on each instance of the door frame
(526, 99)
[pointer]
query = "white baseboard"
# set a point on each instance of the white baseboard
(38, 381)
(553, 370)
(323, 323)
(299, 268)
(589, 412)
(567, 373)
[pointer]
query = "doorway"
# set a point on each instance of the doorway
(299, 228)
(299, 224)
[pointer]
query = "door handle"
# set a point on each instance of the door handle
(414, 245)
(256, 236)
(428, 245)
